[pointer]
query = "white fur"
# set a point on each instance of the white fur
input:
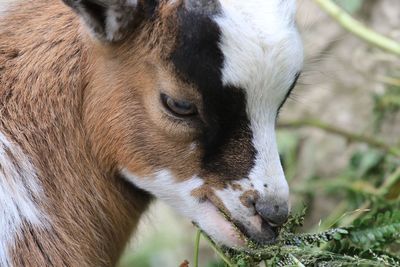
(19, 191)
(263, 53)
(178, 195)
(4, 4)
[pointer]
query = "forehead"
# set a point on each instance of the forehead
(242, 58)
(262, 49)
(250, 45)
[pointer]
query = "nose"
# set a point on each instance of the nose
(275, 211)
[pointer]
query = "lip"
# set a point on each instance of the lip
(219, 227)
(262, 234)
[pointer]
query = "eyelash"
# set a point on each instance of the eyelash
(289, 94)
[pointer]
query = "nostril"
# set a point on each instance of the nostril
(275, 215)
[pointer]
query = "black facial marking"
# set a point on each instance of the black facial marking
(290, 90)
(226, 135)
(197, 56)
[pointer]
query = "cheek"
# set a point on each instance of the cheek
(151, 152)
(155, 143)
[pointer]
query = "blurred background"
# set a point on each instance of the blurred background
(338, 135)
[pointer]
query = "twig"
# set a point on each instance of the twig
(346, 134)
(389, 80)
(197, 248)
(358, 29)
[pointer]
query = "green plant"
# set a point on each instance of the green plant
(371, 241)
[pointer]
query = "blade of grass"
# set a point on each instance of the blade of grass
(197, 248)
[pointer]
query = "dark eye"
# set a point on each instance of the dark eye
(179, 108)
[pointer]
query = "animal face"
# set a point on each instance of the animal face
(183, 100)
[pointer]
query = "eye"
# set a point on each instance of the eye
(179, 108)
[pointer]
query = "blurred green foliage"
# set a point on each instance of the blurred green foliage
(386, 104)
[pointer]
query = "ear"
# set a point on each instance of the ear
(108, 20)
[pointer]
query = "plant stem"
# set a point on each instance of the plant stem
(391, 181)
(197, 248)
(358, 29)
(346, 134)
(219, 252)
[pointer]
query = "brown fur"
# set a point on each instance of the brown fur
(81, 110)
(249, 198)
(91, 210)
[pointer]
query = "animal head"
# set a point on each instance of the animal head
(182, 101)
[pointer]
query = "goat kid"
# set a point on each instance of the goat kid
(105, 104)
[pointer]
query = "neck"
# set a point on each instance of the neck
(63, 206)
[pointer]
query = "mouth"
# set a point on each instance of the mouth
(255, 232)
(266, 236)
